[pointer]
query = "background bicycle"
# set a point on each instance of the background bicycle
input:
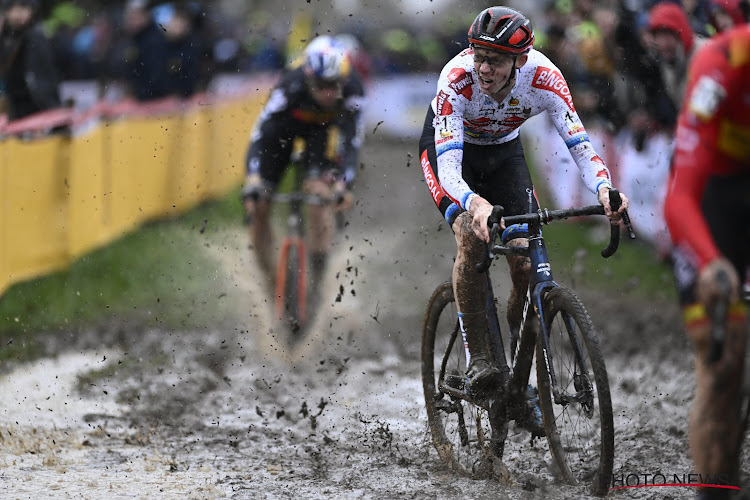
(469, 430)
(296, 286)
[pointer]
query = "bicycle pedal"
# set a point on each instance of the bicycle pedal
(445, 405)
(454, 381)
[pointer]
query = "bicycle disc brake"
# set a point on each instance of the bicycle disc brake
(584, 393)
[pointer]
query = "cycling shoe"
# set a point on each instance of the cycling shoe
(481, 373)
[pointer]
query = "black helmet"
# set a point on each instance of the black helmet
(503, 29)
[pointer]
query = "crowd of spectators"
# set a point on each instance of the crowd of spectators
(624, 60)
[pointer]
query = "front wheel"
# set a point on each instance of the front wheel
(577, 411)
(468, 434)
(291, 285)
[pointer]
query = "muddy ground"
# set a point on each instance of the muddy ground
(227, 412)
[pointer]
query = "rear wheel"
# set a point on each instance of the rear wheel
(468, 437)
(578, 422)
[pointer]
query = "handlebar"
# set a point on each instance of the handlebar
(298, 197)
(545, 216)
(293, 197)
(719, 314)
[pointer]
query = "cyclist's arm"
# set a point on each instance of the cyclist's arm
(352, 129)
(594, 172)
(449, 143)
(268, 129)
(696, 158)
(551, 89)
(682, 210)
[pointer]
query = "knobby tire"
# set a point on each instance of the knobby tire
(580, 435)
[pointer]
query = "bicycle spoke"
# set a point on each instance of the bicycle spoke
(582, 440)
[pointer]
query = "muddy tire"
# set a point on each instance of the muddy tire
(580, 430)
(292, 310)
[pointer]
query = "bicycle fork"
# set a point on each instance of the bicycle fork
(541, 281)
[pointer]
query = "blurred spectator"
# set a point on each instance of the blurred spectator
(27, 64)
(265, 45)
(397, 55)
(642, 83)
(92, 47)
(595, 44)
(145, 53)
(725, 14)
(697, 12)
(672, 41)
(182, 50)
(61, 26)
(644, 151)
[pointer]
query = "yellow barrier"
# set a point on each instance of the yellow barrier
(90, 213)
(62, 197)
(35, 207)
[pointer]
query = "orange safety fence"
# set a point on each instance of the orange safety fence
(107, 170)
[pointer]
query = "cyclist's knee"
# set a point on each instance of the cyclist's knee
(520, 266)
(317, 186)
(257, 211)
(468, 243)
(725, 373)
(255, 189)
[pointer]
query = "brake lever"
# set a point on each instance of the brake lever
(615, 202)
(628, 225)
(489, 256)
(493, 222)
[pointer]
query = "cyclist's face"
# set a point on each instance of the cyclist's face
(493, 69)
(326, 94)
(19, 16)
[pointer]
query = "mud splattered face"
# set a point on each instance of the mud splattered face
(493, 69)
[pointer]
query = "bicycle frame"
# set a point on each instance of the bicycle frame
(541, 282)
(294, 239)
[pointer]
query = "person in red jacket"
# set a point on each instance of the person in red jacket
(707, 210)
(671, 41)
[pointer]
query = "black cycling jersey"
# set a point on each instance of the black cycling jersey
(291, 112)
(496, 172)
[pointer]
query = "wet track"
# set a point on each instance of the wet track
(227, 413)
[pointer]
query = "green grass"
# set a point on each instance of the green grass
(156, 275)
(575, 254)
